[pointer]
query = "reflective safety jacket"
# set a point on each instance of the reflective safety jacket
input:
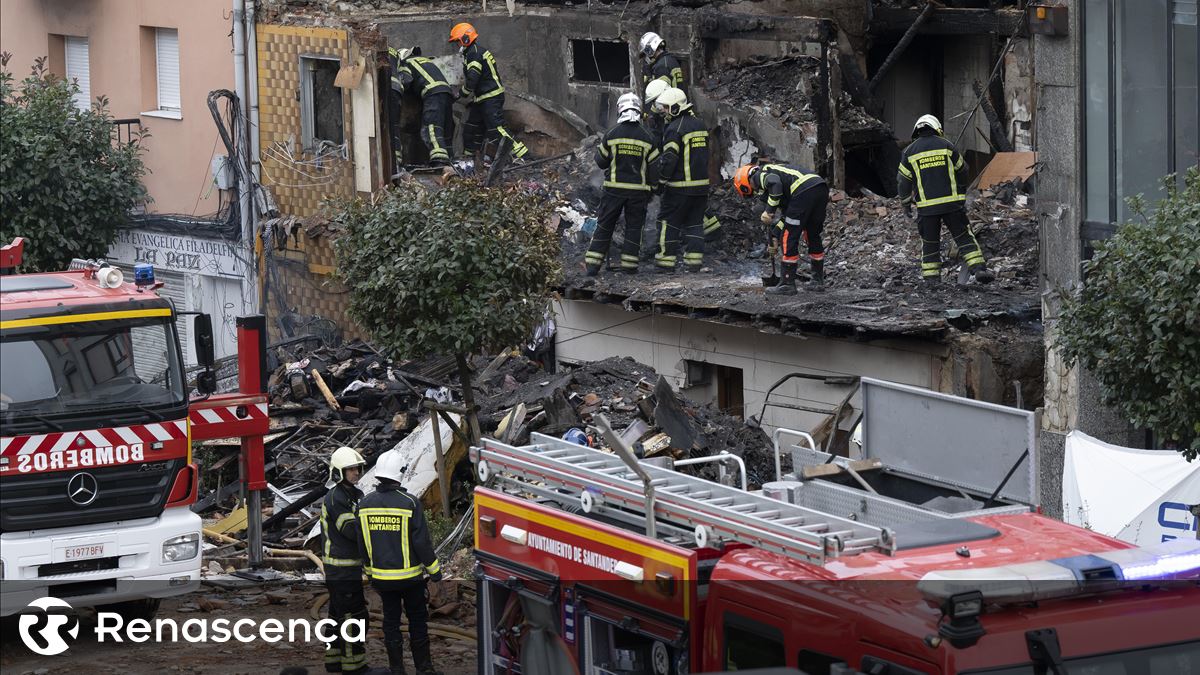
(777, 183)
(395, 541)
(684, 163)
(338, 524)
(666, 67)
(627, 154)
(939, 173)
(480, 78)
(418, 75)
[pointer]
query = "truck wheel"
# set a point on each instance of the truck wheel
(133, 609)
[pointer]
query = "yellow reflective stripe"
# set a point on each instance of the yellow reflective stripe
(396, 574)
(435, 567)
(342, 518)
(671, 145)
(959, 164)
(604, 149)
(941, 200)
(676, 77)
(653, 155)
(772, 200)
(495, 92)
(593, 256)
(687, 183)
(931, 266)
(80, 318)
(905, 172)
(362, 523)
(341, 562)
(430, 82)
(627, 186)
(475, 65)
(918, 156)
(687, 153)
(385, 511)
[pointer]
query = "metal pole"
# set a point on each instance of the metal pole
(902, 45)
(439, 462)
(626, 454)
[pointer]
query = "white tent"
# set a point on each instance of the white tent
(1139, 496)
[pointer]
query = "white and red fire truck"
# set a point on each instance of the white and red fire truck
(96, 426)
(927, 555)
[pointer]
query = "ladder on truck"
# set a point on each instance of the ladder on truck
(687, 510)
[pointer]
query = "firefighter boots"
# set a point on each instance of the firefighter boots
(592, 270)
(982, 274)
(395, 654)
(817, 282)
(422, 658)
(786, 285)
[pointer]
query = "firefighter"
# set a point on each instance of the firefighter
(343, 565)
(626, 154)
(417, 75)
(683, 178)
(656, 123)
(940, 175)
(484, 92)
(398, 553)
(803, 197)
(659, 65)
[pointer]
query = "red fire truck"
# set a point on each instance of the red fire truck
(96, 471)
(599, 563)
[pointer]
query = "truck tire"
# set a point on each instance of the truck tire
(133, 609)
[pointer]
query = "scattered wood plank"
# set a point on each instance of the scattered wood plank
(329, 398)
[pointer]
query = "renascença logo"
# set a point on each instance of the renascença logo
(46, 619)
(42, 630)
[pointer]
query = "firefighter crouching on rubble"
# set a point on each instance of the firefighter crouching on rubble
(626, 154)
(656, 123)
(803, 197)
(659, 65)
(419, 76)
(398, 552)
(484, 92)
(343, 564)
(683, 178)
(941, 183)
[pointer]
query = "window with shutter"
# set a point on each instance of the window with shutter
(77, 67)
(166, 43)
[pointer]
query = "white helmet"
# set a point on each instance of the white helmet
(390, 466)
(649, 45)
(673, 102)
(655, 89)
(928, 121)
(629, 108)
(343, 458)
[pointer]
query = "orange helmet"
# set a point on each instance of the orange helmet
(464, 34)
(741, 180)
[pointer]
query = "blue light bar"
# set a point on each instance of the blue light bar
(143, 275)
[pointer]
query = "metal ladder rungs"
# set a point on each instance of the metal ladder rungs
(660, 481)
(768, 515)
(794, 520)
(554, 454)
(719, 501)
(612, 470)
(744, 508)
(592, 465)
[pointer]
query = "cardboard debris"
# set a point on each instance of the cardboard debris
(1006, 166)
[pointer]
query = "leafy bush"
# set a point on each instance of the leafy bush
(1135, 324)
(64, 184)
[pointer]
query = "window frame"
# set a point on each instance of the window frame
(158, 71)
(308, 112)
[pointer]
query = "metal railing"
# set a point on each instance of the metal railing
(127, 131)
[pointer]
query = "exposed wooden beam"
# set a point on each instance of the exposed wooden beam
(949, 21)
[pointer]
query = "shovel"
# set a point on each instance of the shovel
(772, 280)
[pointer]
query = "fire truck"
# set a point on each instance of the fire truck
(96, 427)
(926, 554)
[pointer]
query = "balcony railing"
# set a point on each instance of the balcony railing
(127, 131)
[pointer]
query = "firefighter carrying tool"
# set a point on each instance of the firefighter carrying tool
(626, 154)
(659, 64)
(343, 564)
(398, 553)
(485, 94)
(417, 75)
(939, 172)
(803, 197)
(683, 177)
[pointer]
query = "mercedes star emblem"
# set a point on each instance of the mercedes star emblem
(82, 488)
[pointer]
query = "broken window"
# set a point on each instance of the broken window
(320, 102)
(600, 61)
(730, 391)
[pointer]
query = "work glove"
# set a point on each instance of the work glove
(436, 576)
(908, 208)
(767, 217)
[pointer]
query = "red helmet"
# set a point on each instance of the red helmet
(741, 180)
(464, 34)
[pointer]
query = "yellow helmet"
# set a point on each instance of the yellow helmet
(673, 102)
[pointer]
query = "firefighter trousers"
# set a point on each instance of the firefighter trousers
(633, 205)
(485, 121)
(930, 228)
(804, 220)
(681, 224)
(346, 601)
(408, 598)
(437, 125)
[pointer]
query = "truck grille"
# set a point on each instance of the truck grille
(39, 501)
(79, 566)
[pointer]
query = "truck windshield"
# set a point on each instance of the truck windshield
(1177, 658)
(87, 368)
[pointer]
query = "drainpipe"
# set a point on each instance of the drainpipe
(245, 179)
(252, 128)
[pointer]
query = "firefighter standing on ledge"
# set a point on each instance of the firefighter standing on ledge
(398, 553)
(413, 73)
(940, 175)
(484, 92)
(343, 565)
(626, 154)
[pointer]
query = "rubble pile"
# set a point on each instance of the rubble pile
(779, 87)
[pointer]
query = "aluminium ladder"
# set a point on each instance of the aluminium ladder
(687, 510)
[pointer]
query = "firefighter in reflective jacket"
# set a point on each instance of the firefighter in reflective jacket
(414, 74)
(398, 553)
(343, 565)
(683, 176)
(656, 122)
(484, 92)
(939, 172)
(626, 154)
(659, 65)
(803, 197)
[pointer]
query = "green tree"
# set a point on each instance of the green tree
(459, 270)
(1135, 323)
(65, 185)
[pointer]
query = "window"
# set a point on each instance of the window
(78, 68)
(320, 102)
(750, 644)
(816, 663)
(166, 64)
(600, 61)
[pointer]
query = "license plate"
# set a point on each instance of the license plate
(73, 552)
